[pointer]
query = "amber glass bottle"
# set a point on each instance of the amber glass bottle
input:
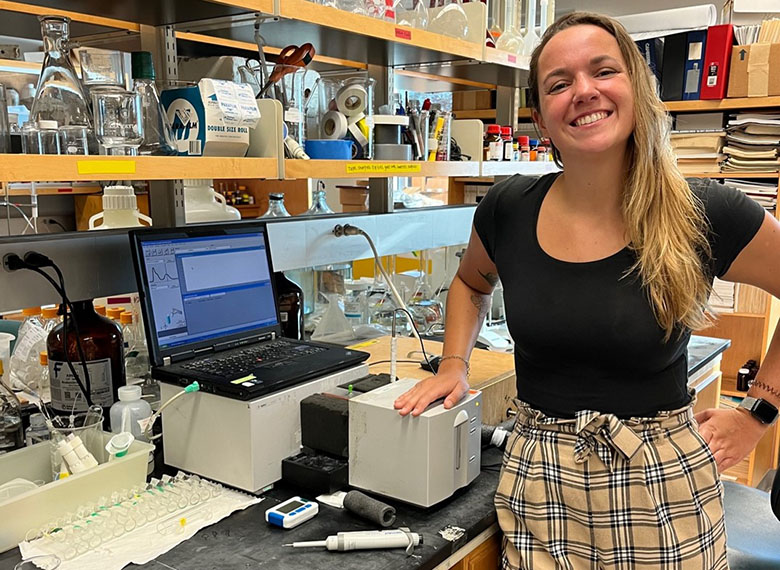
(101, 340)
(290, 299)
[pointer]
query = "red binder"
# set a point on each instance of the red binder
(717, 57)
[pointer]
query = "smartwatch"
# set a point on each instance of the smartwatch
(760, 409)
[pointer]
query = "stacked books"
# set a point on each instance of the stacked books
(752, 143)
(765, 193)
(698, 152)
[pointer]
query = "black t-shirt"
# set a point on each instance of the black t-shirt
(585, 335)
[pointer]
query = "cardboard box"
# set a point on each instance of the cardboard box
(212, 118)
(353, 196)
(755, 71)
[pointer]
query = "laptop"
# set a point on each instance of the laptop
(210, 313)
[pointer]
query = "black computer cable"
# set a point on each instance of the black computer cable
(34, 261)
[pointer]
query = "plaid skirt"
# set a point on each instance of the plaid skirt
(597, 492)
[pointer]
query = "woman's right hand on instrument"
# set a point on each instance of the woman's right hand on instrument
(451, 385)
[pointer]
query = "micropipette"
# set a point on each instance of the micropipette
(365, 540)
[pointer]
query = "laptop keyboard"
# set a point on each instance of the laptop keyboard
(249, 358)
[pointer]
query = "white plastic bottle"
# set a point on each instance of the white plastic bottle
(128, 411)
(31, 340)
(37, 432)
(203, 204)
(120, 210)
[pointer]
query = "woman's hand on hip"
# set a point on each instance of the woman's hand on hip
(451, 385)
(731, 434)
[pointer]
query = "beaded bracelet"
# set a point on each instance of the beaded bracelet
(764, 386)
(455, 356)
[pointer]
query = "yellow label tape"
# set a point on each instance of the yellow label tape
(383, 168)
(244, 379)
(106, 166)
(363, 344)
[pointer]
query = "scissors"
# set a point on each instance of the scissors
(289, 60)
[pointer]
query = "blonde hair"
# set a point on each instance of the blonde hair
(664, 220)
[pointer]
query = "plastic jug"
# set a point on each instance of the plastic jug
(203, 204)
(120, 210)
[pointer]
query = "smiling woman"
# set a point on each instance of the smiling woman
(606, 269)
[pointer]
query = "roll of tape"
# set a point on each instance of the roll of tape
(356, 132)
(392, 152)
(334, 125)
(351, 100)
(400, 120)
(387, 134)
(356, 118)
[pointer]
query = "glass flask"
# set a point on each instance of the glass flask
(319, 204)
(59, 95)
(531, 39)
(511, 40)
(495, 20)
(276, 207)
(354, 6)
(158, 135)
(412, 13)
(450, 20)
(118, 117)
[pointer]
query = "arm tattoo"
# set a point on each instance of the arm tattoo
(482, 304)
(491, 278)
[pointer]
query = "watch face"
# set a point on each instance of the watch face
(764, 411)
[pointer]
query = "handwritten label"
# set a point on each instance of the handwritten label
(511, 58)
(106, 166)
(383, 168)
(403, 34)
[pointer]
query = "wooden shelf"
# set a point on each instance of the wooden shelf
(53, 168)
(326, 16)
(493, 55)
(375, 168)
(732, 175)
(723, 104)
(64, 190)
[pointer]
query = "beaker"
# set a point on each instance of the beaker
(59, 96)
(118, 124)
(74, 139)
(87, 426)
(40, 138)
(346, 111)
(101, 67)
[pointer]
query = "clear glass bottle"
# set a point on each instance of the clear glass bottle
(450, 20)
(531, 39)
(511, 40)
(136, 353)
(11, 433)
(158, 135)
(44, 385)
(59, 96)
(319, 204)
(276, 207)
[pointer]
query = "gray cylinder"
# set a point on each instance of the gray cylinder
(370, 509)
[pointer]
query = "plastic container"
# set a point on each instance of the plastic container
(40, 138)
(37, 507)
(31, 340)
(37, 432)
(128, 411)
(120, 210)
(203, 204)
(506, 136)
(276, 207)
(11, 434)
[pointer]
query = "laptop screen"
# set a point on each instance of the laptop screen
(208, 287)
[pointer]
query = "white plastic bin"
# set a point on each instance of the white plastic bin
(33, 509)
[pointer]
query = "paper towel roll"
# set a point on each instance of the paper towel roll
(666, 22)
(334, 125)
(351, 100)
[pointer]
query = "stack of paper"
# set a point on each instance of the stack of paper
(752, 143)
(765, 193)
(698, 152)
(723, 296)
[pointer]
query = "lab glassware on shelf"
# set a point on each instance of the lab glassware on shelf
(158, 134)
(59, 96)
